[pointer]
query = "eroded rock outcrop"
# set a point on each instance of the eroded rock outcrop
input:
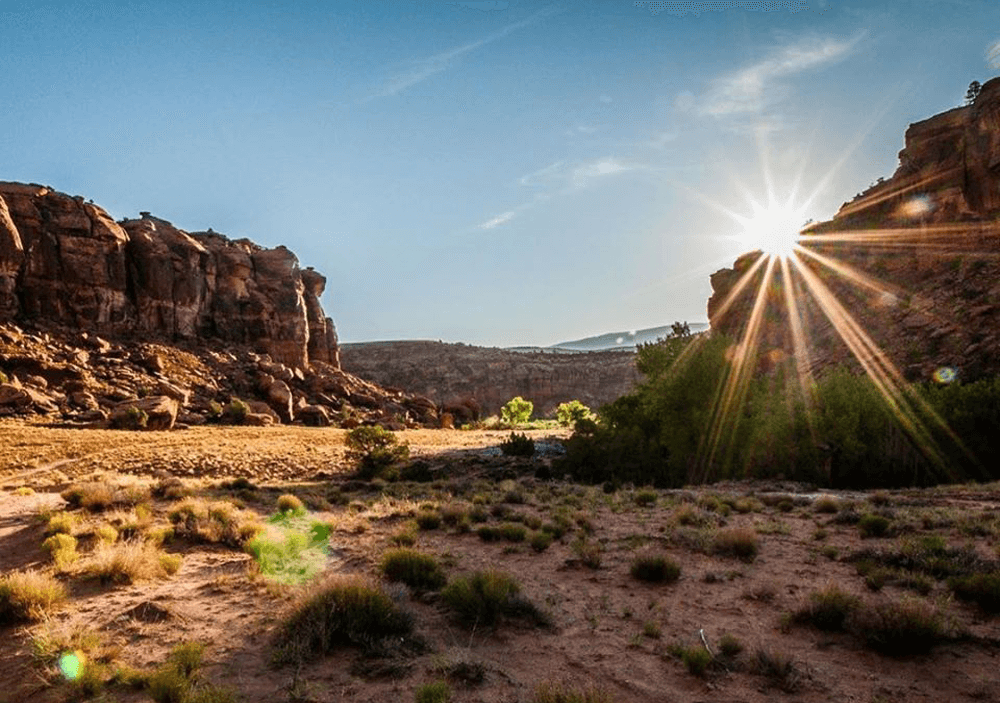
(915, 258)
(459, 375)
(64, 261)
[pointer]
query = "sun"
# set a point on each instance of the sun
(775, 230)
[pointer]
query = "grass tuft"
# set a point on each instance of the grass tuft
(415, 569)
(655, 568)
(483, 597)
(28, 595)
(829, 608)
(553, 692)
(898, 628)
(739, 542)
(434, 692)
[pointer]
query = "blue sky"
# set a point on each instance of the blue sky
(492, 172)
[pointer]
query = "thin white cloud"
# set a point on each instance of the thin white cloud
(754, 87)
(581, 129)
(993, 54)
(560, 178)
(605, 99)
(420, 70)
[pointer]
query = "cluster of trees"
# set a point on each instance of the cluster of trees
(672, 430)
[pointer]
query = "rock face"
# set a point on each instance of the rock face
(459, 375)
(66, 262)
(918, 257)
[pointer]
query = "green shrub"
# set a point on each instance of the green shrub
(62, 547)
(512, 532)
(589, 552)
(518, 445)
(729, 645)
(568, 414)
(434, 692)
(236, 412)
(336, 612)
(540, 541)
(777, 667)
(415, 569)
(428, 519)
(655, 568)
(982, 589)
(826, 504)
(60, 523)
(517, 411)
(697, 659)
(132, 419)
(374, 449)
(829, 608)
(483, 597)
(646, 497)
(872, 525)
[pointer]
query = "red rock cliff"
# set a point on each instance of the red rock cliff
(64, 261)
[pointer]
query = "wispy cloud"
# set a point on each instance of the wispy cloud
(420, 70)
(561, 178)
(754, 87)
(993, 54)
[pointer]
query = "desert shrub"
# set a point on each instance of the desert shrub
(418, 471)
(517, 411)
(898, 628)
(415, 569)
(489, 533)
(289, 503)
(748, 504)
(655, 568)
(28, 595)
(826, 504)
(696, 658)
(406, 536)
(540, 541)
(434, 692)
(96, 496)
(512, 532)
(375, 449)
(107, 533)
(483, 597)
(291, 549)
(829, 608)
(62, 547)
(777, 667)
(518, 445)
(128, 562)
(60, 523)
(872, 525)
(739, 542)
(558, 692)
(428, 519)
(589, 552)
(568, 414)
(729, 645)
(217, 522)
(646, 497)
(982, 589)
(339, 611)
(454, 513)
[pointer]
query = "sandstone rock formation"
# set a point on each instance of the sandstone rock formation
(922, 258)
(66, 262)
(460, 375)
(101, 319)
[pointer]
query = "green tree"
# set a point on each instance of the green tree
(517, 411)
(568, 414)
(973, 92)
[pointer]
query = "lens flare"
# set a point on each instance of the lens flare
(71, 665)
(774, 230)
(945, 375)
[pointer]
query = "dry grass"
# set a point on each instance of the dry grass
(215, 522)
(128, 562)
(739, 542)
(28, 595)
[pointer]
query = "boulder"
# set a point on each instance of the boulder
(314, 416)
(160, 411)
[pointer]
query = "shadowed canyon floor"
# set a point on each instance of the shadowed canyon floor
(607, 629)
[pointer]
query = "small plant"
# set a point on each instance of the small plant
(651, 630)
(128, 562)
(60, 523)
(133, 418)
(375, 449)
(550, 692)
(777, 667)
(518, 445)
(107, 533)
(655, 568)
(513, 532)
(872, 525)
(829, 608)
(697, 659)
(517, 411)
(339, 611)
(982, 589)
(220, 522)
(415, 569)
(730, 646)
(428, 519)
(568, 414)
(236, 412)
(590, 553)
(826, 504)
(28, 595)
(897, 628)
(748, 504)
(540, 541)
(290, 504)
(739, 542)
(483, 597)
(434, 692)
(646, 497)
(62, 547)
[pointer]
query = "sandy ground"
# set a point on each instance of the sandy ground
(609, 630)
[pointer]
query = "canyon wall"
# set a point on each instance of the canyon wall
(450, 374)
